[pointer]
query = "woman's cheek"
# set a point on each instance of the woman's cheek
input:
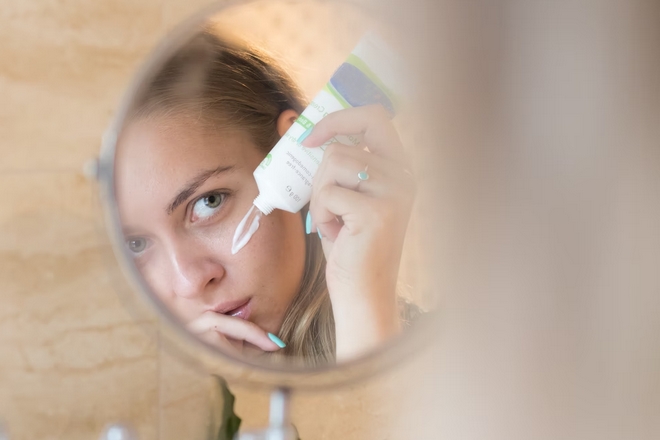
(156, 277)
(263, 249)
(152, 270)
(282, 240)
(277, 251)
(218, 235)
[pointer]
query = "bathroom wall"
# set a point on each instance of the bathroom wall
(546, 240)
(72, 356)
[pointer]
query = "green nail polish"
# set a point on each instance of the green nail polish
(308, 223)
(319, 232)
(280, 343)
(305, 134)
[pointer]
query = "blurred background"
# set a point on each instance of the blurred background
(541, 205)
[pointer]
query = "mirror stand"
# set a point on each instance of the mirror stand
(280, 427)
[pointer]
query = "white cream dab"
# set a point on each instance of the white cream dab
(246, 229)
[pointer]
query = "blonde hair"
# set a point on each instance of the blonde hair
(228, 86)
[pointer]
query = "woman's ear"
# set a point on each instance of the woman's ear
(286, 120)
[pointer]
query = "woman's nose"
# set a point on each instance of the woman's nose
(194, 271)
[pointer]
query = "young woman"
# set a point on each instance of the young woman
(318, 285)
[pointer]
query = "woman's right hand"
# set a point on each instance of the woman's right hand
(362, 224)
(231, 334)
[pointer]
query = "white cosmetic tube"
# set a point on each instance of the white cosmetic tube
(368, 76)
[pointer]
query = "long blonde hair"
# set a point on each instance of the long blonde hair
(229, 85)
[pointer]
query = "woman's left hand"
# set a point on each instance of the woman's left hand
(362, 223)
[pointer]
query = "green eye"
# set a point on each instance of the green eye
(212, 201)
(205, 207)
(136, 245)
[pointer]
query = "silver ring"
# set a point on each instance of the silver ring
(362, 176)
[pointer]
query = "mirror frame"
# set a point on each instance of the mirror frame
(176, 338)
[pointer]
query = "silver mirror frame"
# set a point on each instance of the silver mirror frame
(190, 348)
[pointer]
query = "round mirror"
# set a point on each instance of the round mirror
(260, 189)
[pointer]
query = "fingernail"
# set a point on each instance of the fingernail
(303, 136)
(319, 232)
(280, 343)
(308, 223)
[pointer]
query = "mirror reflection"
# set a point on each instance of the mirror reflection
(291, 252)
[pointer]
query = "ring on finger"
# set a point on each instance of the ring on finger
(362, 176)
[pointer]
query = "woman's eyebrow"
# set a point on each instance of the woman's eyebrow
(193, 184)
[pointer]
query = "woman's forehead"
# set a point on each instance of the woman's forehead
(156, 157)
(183, 140)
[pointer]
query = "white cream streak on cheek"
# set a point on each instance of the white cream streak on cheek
(246, 229)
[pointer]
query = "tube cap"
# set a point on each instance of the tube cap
(262, 205)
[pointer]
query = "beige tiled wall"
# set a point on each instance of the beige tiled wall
(551, 311)
(72, 359)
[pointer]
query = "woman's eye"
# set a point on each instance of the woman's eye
(136, 245)
(208, 205)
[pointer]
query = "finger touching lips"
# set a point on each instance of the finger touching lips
(234, 328)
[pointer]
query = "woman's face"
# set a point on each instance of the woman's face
(182, 190)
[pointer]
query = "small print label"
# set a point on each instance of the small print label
(306, 123)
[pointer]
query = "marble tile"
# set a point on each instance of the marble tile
(73, 358)
(352, 412)
(362, 411)
(64, 67)
(185, 400)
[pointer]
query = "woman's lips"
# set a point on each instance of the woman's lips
(242, 312)
(238, 309)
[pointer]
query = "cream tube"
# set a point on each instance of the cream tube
(368, 76)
